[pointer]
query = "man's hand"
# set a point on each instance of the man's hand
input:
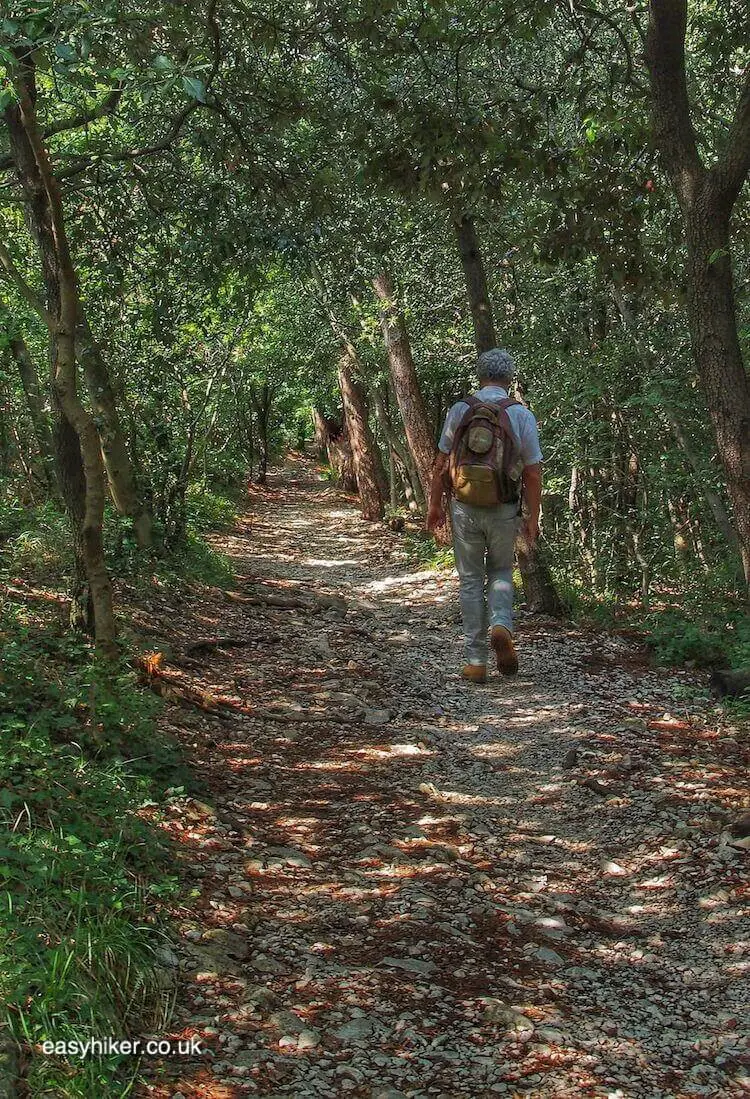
(530, 530)
(435, 516)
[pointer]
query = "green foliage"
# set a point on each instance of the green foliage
(703, 634)
(425, 552)
(195, 561)
(35, 541)
(78, 867)
(207, 511)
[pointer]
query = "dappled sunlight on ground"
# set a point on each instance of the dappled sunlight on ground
(405, 882)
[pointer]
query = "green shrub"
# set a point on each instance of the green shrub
(195, 561)
(36, 540)
(207, 511)
(705, 635)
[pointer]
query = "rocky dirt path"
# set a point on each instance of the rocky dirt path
(407, 886)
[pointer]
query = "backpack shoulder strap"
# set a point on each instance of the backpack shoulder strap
(472, 403)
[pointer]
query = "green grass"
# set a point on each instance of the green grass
(79, 870)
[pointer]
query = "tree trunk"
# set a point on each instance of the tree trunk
(362, 442)
(716, 349)
(405, 383)
(338, 450)
(409, 478)
(72, 481)
(35, 404)
(538, 585)
(117, 462)
(707, 197)
(476, 283)
(262, 409)
(47, 220)
(320, 434)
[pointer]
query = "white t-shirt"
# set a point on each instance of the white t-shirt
(522, 421)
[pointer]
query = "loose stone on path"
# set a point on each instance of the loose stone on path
(526, 889)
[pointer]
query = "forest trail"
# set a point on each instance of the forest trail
(406, 885)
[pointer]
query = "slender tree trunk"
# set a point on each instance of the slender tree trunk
(538, 585)
(117, 462)
(262, 409)
(35, 404)
(679, 542)
(410, 477)
(46, 213)
(72, 480)
(476, 282)
(405, 383)
(320, 434)
(362, 442)
(392, 486)
(6, 452)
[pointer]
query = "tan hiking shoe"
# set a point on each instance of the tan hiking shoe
(501, 641)
(475, 673)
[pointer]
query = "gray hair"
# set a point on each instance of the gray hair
(496, 364)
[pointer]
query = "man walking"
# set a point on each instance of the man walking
(488, 457)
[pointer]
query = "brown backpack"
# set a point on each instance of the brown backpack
(484, 467)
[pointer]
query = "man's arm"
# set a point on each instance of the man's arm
(436, 504)
(532, 491)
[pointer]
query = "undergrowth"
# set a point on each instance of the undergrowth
(79, 869)
(80, 753)
(697, 629)
(36, 544)
(423, 550)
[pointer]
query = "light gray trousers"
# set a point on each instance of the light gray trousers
(483, 544)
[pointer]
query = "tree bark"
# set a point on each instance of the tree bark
(721, 370)
(409, 477)
(122, 483)
(262, 408)
(418, 431)
(707, 198)
(48, 221)
(362, 442)
(335, 439)
(475, 276)
(35, 404)
(538, 586)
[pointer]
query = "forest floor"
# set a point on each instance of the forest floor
(404, 885)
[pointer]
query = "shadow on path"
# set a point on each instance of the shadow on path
(405, 885)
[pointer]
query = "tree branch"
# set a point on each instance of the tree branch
(28, 294)
(730, 173)
(107, 106)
